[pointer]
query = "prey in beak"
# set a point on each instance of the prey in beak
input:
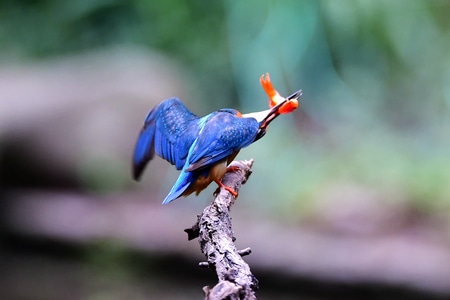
(264, 117)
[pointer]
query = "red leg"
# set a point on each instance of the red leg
(232, 168)
(230, 190)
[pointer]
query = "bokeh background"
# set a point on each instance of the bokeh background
(350, 195)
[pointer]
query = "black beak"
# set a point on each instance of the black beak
(273, 113)
(295, 95)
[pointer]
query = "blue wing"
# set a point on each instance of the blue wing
(222, 135)
(169, 130)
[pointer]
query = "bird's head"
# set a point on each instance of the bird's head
(231, 111)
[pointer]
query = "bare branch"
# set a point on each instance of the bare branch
(216, 239)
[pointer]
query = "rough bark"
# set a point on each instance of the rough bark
(215, 233)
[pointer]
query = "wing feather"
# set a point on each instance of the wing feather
(222, 135)
(169, 130)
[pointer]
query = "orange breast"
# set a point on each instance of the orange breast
(216, 173)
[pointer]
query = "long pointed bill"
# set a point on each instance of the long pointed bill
(273, 113)
(275, 97)
(285, 106)
(266, 116)
(295, 95)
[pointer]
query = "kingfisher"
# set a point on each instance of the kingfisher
(203, 147)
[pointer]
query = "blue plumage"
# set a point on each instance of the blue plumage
(223, 134)
(200, 147)
(169, 131)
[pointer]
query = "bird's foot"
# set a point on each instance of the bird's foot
(229, 189)
(231, 168)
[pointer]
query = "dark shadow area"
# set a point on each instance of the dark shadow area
(164, 272)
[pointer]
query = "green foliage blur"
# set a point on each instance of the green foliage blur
(375, 77)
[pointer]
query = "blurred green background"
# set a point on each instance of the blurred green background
(367, 153)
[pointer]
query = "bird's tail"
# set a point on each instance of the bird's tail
(182, 183)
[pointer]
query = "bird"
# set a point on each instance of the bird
(203, 147)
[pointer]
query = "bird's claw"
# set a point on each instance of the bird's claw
(227, 188)
(231, 168)
(275, 97)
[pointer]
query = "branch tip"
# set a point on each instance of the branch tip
(193, 232)
(245, 252)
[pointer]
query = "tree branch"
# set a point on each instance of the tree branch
(216, 239)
